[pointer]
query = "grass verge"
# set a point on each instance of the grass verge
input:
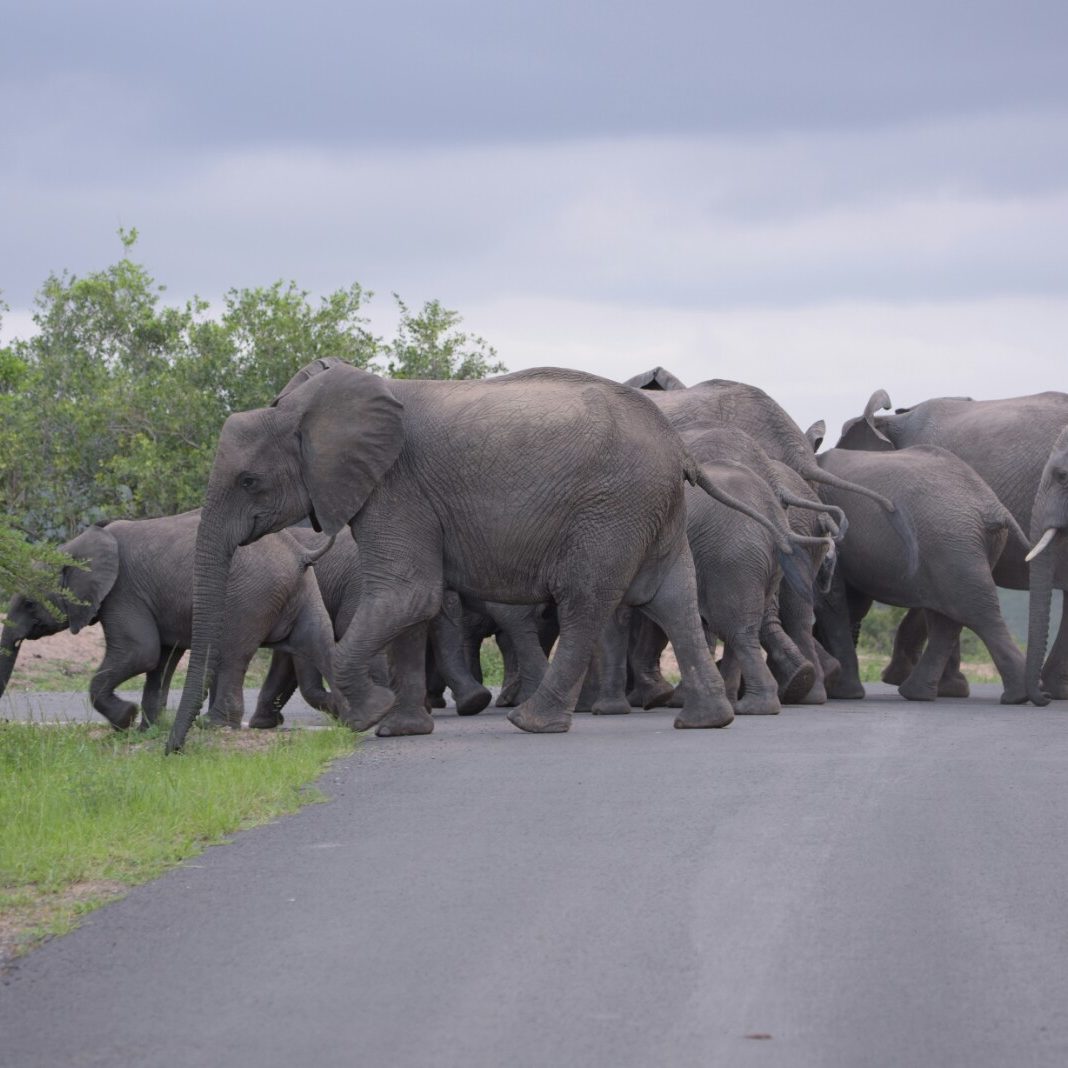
(86, 813)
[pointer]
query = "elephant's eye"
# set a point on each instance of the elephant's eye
(247, 482)
(1061, 476)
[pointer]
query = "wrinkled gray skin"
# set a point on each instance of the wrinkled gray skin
(139, 585)
(337, 575)
(962, 530)
(737, 578)
(1011, 444)
(541, 485)
(787, 628)
(720, 404)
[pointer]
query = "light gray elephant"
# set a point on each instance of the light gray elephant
(1011, 443)
(541, 485)
(138, 582)
(962, 530)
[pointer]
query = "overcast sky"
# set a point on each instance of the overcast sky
(820, 198)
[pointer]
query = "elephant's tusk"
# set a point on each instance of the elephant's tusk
(1041, 544)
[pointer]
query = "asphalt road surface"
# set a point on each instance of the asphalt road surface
(860, 884)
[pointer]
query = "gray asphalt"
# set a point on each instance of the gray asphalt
(870, 883)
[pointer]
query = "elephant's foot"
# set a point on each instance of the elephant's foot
(758, 704)
(120, 714)
(1056, 687)
(714, 711)
(832, 672)
(913, 690)
(955, 685)
(651, 693)
(470, 702)
(405, 721)
(223, 720)
(509, 695)
(531, 720)
(435, 700)
(266, 719)
(611, 706)
(816, 696)
(1014, 695)
(792, 690)
(372, 709)
(897, 671)
(845, 690)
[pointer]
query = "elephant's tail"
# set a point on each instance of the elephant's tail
(1003, 519)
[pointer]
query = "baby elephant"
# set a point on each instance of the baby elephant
(138, 582)
(961, 530)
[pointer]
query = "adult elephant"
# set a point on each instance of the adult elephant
(541, 485)
(136, 578)
(1012, 444)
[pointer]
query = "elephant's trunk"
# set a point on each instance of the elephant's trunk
(214, 553)
(1041, 583)
(9, 650)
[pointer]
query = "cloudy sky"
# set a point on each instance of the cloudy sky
(821, 198)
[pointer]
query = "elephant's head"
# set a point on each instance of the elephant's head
(1049, 525)
(80, 591)
(319, 450)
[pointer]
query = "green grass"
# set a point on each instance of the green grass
(86, 812)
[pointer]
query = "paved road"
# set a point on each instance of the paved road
(867, 884)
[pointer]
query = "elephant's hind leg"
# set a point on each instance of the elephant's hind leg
(922, 683)
(277, 689)
(674, 609)
(583, 617)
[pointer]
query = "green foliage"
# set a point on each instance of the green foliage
(83, 804)
(428, 345)
(880, 625)
(113, 408)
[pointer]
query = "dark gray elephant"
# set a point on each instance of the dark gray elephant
(541, 485)
(962, 530)
(138, 583)
(1009, 442)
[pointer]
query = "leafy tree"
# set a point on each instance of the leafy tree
(113, 408)
(428, 345)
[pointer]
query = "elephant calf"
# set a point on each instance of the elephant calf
(138, 583)
(961, 530)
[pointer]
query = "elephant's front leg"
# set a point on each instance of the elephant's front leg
(132, 648)
(383, 615)
(407, 657)
(1055, 670)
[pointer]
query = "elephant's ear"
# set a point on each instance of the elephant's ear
(351, 433)
(306, 372)
(99, 551)
(862, 433)
(816, 433)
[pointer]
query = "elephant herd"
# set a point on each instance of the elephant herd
(587, 519)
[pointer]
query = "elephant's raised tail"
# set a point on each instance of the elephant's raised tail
(895, 514)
